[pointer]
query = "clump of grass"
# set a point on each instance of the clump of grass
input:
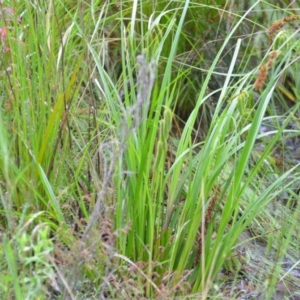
(88, 148)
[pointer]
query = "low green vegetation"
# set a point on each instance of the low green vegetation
(148, 150)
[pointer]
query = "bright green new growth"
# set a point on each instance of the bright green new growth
(104, 191)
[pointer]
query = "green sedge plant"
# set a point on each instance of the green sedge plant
(92, 168)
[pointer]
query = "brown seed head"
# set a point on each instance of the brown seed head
(273, 54)
(278, 25)
(261, 78)
(291, 18)
(270, 63)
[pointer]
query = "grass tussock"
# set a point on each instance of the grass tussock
(141, 153)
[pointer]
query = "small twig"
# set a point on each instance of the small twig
(62, 278)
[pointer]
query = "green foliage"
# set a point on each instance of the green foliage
(137, 203)
(28, 260)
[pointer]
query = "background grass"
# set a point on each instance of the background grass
(134, 160)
